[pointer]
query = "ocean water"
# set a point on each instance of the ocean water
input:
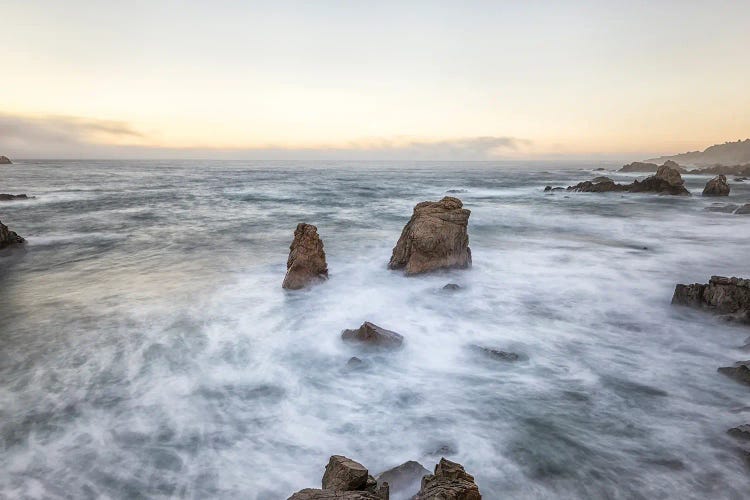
(147, 349)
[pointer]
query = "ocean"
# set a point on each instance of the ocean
(147, 349)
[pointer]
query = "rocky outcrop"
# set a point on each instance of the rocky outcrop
(11, 197)
(4, 160)
(740, 371)
(667, 180)
(740, 432)
(372, 335)
(598, 185)
(450, 482)
(717, 186)
(306, 264)
(345, 479)
(436, 237)
(404, 480)
(8, 238)
(639, 166)
(727, 296)
(743, 210)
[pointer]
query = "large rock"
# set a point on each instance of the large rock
(717, 187)
(740, 371)
(639, 166)
(306, 264)
(8, 238)
(598, 185)
(345, 479)
(435, 237)
(740, 432)
(316, 494)
(743, 210)
(667, 180)
(4, 160)
(450, 482)
(404, 480)
(373, 335)
(11, 197)
(729, 296)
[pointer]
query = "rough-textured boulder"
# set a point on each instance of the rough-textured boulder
(743, 210)
(345, 479)
(435, 237)
(307, 260)
(450, 482)
(404, 480)
(4, 160)
(740, 432)
(717, 186)
(740, 371)
(730, 296)
(11, 197)
(8, 238)
(373, 335)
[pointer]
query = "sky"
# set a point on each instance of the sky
(372, 79)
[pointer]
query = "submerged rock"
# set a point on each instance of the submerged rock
(743, 210)
(449, 482)
(307, 260)
(373, 335)
(405, 479)
(550, 188)
(11, 197)
(317, 494)
(452, 287)
(345, 479)
(740, 432)
(717, 186)
(495, 354)
(4, 160)
(728, 296)
(435, 237)
(356, 363)
(8, 238)
(740, 371)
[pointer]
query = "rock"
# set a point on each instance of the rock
(373, 335)
(344, 474)
(727, 208)
(667, 180)
(598, 185)
(452, 287)
(404, 480)
(739, 372)
(4, 160)
(638, 166)
(740, 179)
(11, 197)
(736, 170)
(743, 210)
(316, 494)
(717, 187)
(8, 238)
(550, 188)
(355, 363)
(307, 260)
(721, 295)
(456, 191)
(435, 237)
(450, 482)
(600, 169)
(601, 178)
(740, 432)
(496, 354)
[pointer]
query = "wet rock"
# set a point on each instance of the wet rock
(355, 363)
(452, 287)
(598, 185)
(11, 197)
(600, 169)
(717, 187)
(740, 371)
(743, 210)
(373, 335)
(449, 482)
(729, 296)
(550, 188)
(726, 208)
(740, 432)
(345, 479)
(4, 160)
(456, 191)
(316, 494)
(306, 264)
(667, 180)
(639, 166)
(405, 479)
(8, 238)
(435, 237)
(495, 354)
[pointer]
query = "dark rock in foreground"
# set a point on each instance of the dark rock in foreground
(435, 237)
(8, 238)
(729, 296)
(345, 479)
(404, 480)
(667, 180)
(11, 197)
(450, 482)
(740, 432)
(4, 160)
(740, 371)
(717, 187)
(373, 335)
(306, 264)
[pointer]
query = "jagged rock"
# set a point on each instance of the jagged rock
(4, 160)
(373, 335)
(717, 187)
(435, 237)
(496, 354)
(8, 238)
(667, 180)
(11, 197)
(452, 287)
(740, 371)
(450, 482)
(405, 479)
(345, 479)
(743, 210)
(740, 179)
(639, 166)
(730, 296)
(307, 260)
(740, 432)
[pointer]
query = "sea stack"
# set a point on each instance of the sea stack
(717, 186)
(4, 160)
(436, 237)
(345, 479)
(306, 264)
(8, 238)
(450, 481)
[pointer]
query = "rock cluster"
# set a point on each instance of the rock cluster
(449, 482)
(8, 238)
(639, 166)
(717, 186)
(306, 264)
(435, 237)
(4, 160)
(345, 479)
(372, 335)
(667, 180)
(728, 296)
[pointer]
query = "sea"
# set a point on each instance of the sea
(147, 349)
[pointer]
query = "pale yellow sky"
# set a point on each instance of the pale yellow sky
(555, 77)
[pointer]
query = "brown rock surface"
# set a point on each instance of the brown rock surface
(435, 237)
(345, 479)
(373, 335)
(9, 238)
(740, 371)
(717, 187)
(450, 482)
(317, 494)
(306, 264)
(4, 160)
(721, 295)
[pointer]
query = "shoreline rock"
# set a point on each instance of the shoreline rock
(721, 295)
(373, 335)
(449, 482)
(8, 238)
(345, 479)
(436, 237)
(306, 264)
(717, 186)
(666, 180)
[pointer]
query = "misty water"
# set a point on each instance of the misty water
(148, 350)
